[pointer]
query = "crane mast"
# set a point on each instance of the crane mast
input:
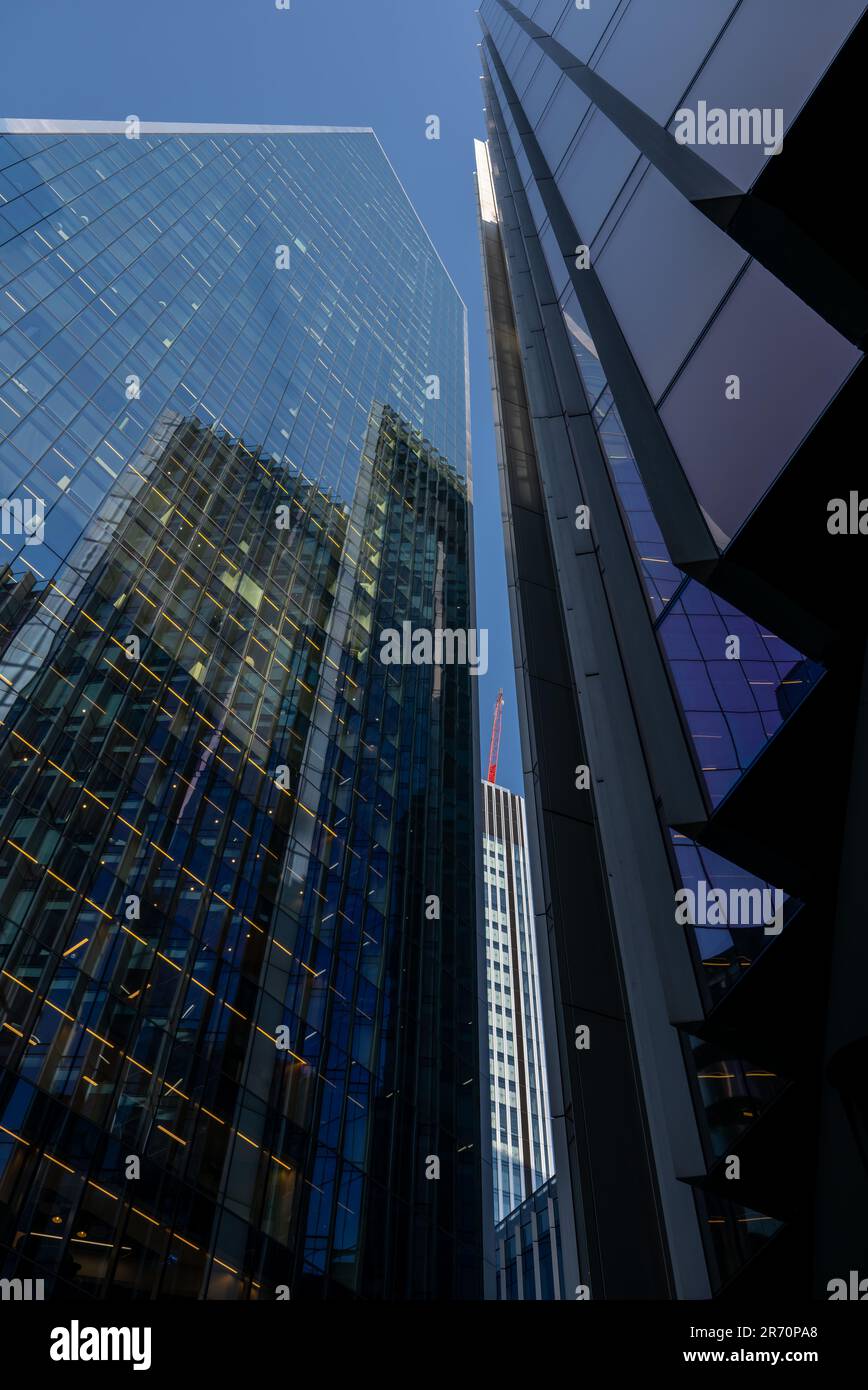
(494, 749)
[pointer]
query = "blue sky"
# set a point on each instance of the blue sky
(385, 63)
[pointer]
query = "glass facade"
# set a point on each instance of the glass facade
(721, 307)
(529, 1254)
(745, 695)
(689, 386)
(521, 1142)
(232, 1043)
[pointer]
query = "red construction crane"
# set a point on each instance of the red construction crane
(494, 750)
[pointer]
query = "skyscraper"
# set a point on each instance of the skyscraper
(240, 1057)
(528, 1250)
(677, 322)
(520, 1123)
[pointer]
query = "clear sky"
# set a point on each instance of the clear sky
(389, 64)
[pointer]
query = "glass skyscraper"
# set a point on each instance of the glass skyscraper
(677, 310)
(240, 1056)
(521, 1144)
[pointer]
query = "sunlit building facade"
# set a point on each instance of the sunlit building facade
(521, 1147)
(233, 1041)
